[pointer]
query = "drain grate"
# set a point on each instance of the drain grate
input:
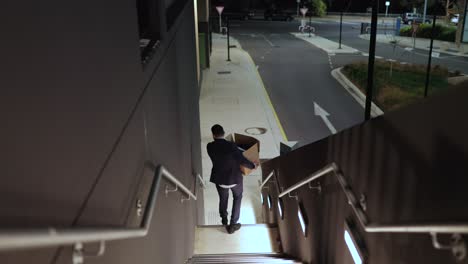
(224, 72)
(256, 130)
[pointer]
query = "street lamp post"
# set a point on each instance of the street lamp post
(298, 2)
(425, 11)
(341, 27)
(370, 66)
(387, 4)
(428, 72)
(228, 45)
(310, 23)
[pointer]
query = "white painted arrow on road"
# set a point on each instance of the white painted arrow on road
(319, 111)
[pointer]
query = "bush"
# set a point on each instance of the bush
(425, 30)
(441, 32)
(404, 86)
(448, 34)
(406, 31)
(319, 7)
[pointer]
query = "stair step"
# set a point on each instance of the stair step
(275, 261)
(249, 239)
(269, 258)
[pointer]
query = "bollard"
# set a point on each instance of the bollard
(397, 26)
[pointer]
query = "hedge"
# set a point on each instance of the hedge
(441, 32)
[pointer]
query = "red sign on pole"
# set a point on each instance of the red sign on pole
(304, 11)
(220, 9)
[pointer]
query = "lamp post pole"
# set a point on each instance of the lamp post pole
(370, 69)
(425, 11)
(428, 72)
(341, 27)
(227, 34)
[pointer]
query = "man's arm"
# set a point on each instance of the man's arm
(241, 159)
(208, 149)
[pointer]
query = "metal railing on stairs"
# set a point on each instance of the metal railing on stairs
(457, 245)
(78, 236)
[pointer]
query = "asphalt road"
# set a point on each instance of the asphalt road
(297, 75)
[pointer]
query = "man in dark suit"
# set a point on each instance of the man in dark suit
(226, 174)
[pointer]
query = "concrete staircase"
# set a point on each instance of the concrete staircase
(257, 243)
(241, 258)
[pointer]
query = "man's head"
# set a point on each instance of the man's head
(218, 131)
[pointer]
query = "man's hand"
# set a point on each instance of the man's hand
(257, 164)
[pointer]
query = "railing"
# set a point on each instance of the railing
(261, 184)
(77, 236)
(359, 207)
(202, 182)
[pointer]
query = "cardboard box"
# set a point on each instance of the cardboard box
(250, 148)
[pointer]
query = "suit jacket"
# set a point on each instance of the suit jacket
(226, 158)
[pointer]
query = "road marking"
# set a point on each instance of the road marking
(319, 111)
(267, 40)
(269, 101)
(378, 57)
(350, 23)
(365, 54)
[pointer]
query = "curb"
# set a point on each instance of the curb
(355, 92)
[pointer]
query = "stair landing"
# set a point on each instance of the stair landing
(260, 238)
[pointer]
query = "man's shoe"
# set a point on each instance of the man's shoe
(224, 221)
(233, 228)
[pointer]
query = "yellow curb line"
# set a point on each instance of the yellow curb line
(268, 99)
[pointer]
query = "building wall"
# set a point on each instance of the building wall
(81, 117)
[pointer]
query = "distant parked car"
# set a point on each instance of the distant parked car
(278, 14)
(455, 19)
(411, 18)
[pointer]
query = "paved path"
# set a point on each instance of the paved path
(233, 95)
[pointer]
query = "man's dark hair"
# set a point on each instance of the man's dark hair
(217, 130)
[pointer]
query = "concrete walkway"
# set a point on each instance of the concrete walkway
(330, 47)
(424, 44)
(233, 96)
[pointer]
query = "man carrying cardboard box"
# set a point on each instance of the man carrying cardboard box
(226, 174)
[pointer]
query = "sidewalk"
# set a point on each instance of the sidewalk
(233, 96)
(330, 47)
(424, 44)
(348, 19)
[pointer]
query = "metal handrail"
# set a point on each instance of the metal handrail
(313, 177)
(267, 179)
(177, 183)
(202, 181)
(363, 218)
(46, 237)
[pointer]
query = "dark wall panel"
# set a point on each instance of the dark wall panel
(81, 118)
(70, 84)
